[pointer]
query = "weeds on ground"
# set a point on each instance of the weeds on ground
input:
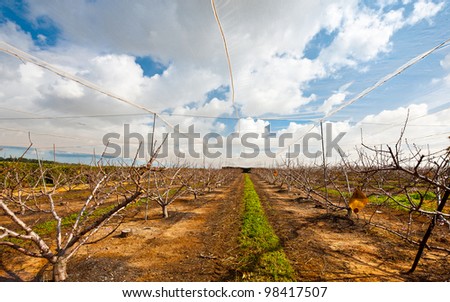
(263, 258)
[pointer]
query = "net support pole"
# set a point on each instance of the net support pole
(324, 162)
(153, 135)
(149, 168)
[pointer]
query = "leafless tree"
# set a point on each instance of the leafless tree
(201, 181)
(168, 187)
(405, 177)
(111, 190)
(419, 174)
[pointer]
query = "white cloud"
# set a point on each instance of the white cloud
(424, 10)
(179, 86)
(383, 3)
(276, 87)
(447, 80)
(335, 99)
(13, 34)
(423, 128)
(445, 63)
(199, 117)
(332, 101)
(42, 38)
(248, 125)
(270, 76)
(119, 74)
(364, 35)
(159, 29)
(267, 46)
(397, 116)
(63, 89)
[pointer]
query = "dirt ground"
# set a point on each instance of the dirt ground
(327, 247)
(199, 242)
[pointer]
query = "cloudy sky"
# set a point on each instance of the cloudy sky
(294, 63)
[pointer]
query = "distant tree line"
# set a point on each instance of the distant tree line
(28, 160)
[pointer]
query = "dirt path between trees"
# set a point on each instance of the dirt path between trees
(328, 247)
(198, 242)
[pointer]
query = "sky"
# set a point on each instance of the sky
(293, 64)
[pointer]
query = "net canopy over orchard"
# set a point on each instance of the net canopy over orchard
(339, 109)
(75, 75)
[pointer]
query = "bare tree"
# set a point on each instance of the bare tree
(403, 177)
(72, 228)
(202, 181)
(169, 187)
(421, 177)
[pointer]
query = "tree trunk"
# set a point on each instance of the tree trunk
(165, 211)
(427, 235)
(60, 270)
(22, 204)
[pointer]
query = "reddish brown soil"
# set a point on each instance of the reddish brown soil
(198, 242)
(328, 247)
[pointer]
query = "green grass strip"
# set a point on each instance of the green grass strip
(46, 228)
(263, 258)
(402, 203)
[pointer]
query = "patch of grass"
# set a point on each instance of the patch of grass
(141, 202)
(16, 241)
(48, 227)
(45, 228)
(335, 193)
(263, 258)
(401, 201)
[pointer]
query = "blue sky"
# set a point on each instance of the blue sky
(292, 64)
(42, 26)
(149, 66)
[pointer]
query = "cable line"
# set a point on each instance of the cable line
(387, 78)
(23, 56)
(227, 54)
